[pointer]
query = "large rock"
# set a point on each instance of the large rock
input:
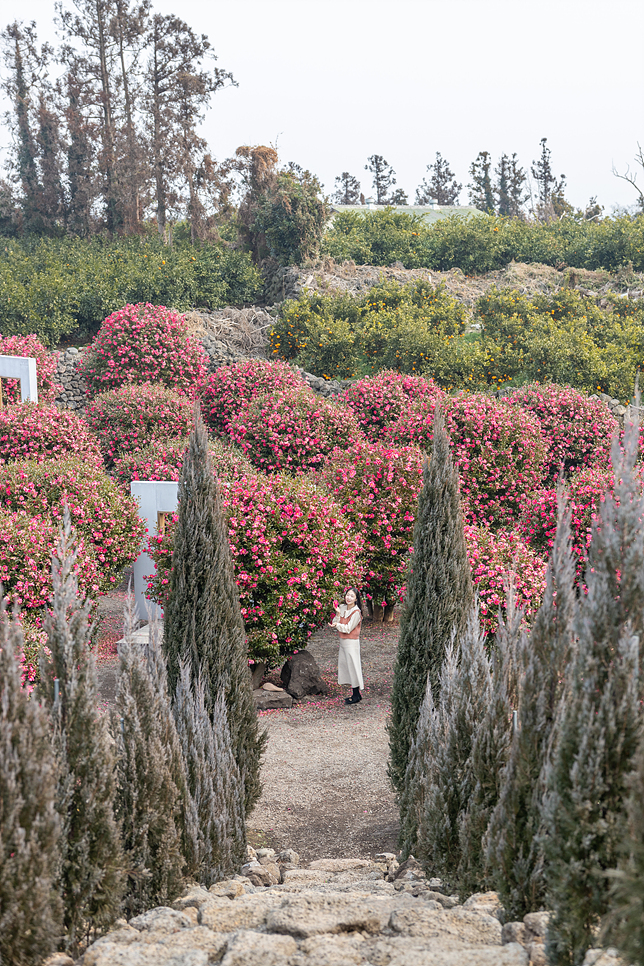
(457, 926)
(301, 675)
(247, 912)
(310, 915)
(258, 949)
(271, 700)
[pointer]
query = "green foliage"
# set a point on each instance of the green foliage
(52, 286)
(596, 733)
(291, 217)
(562, 337)
(214, 778)
(203, 621)
(30, 909)
(91, 881)
(439, 597)
(484, 243)
(625, 922)
(514, 846)
(149, 803)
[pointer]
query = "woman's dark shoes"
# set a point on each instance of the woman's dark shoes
(355, 697)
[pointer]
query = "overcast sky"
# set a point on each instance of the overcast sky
(333, 81)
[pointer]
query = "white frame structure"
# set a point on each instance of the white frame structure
(24, 369)
(155, 498)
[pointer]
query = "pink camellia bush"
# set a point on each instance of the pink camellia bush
(26, 547)
(586, 490)
(163, 459)
(415, 426)
(141, 344)
(497, 557)
(46, 368)
(577, 430)
(292, 431)
(131, 417)
(29, 431)
(293, 553)
(102, 513)
(34, 640)
(377, 487)
(500, 458)
(231, 386)
(380, 401)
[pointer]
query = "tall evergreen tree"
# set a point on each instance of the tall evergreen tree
(466, 692)
(149, 803)
(550, 199)
(513, 843)
(439, 598)
(30, 909)
(347, 189)
(213, 776)
(203, 622)
(510, 186)
(490, 748)
(91, 876)
(412, 797)
(384, 177)
(480, 188)
(624, 926)
(441, 187)
(597, 728)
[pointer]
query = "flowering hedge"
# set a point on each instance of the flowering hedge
(46, 368)
(163, 459)
(380, 401)
(230, 386)
(500, 458)
(144, 343)
(101, 512)
(577, 430)
(42, 433)
(26, 545)
(377, 487)
(493, 557)
(129, 418)
(293, 431)
(293, 552)
(586, 490)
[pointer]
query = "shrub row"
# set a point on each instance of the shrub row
(484, 243)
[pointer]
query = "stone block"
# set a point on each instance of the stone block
(537, 954)
(536, 925)
(513, 932)
(310, 915)
(340, 865)
(248, 948)
(485, 902)
(247, 912)
(454, 926)
(272, 700)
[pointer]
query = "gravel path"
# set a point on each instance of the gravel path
(326, 792)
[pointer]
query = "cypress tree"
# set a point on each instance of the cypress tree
(213, 778)
(466, 692)
(513, 844)
(412, 797)
(91, 881)
(439, 599)
(30, 909)
(203, 622)
(597, 729)
(149, 803)
(625, 922)
(490, 749)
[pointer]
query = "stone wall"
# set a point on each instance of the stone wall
(74, 388)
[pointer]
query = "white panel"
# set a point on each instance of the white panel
(153, 497)
(24, 369)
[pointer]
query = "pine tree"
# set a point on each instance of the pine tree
(439, 598)
(466, 692)
(597, 728)
(203, 622)
(91, 876)
(624, 927)
(490, 749)
(513, 844)
(480, 189)
(213, 777)
(347, 189)
(384, 177)
(510, 186)
(30, 909)
(442, 186)
(149, 803)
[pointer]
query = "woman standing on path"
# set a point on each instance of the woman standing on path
(347, 621)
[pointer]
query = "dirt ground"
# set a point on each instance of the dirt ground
(326, 792)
